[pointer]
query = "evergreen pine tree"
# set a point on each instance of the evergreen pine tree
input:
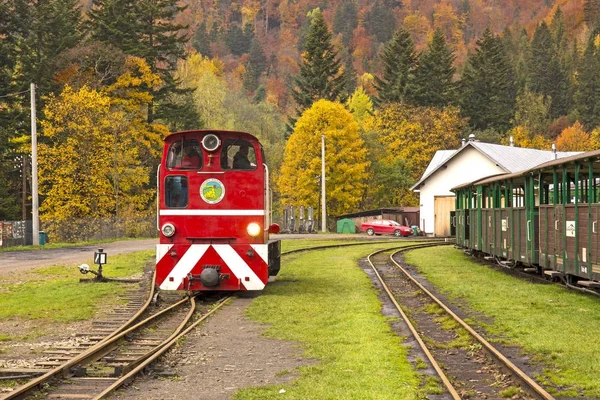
(487, 85)
(115, 22)
(522, 63)
(201, 41)
(380, 22)
(345, 21)
(11, 164)
(46, 29)
(434, 83)
(591, 12)
(397, 85)
(349, 72)
(564, 100)
(547, 78)
(587, 97)
(148, 30)
(321, 75)
(256, 64)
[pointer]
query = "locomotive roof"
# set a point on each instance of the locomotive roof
(543, 166)
(204, 131)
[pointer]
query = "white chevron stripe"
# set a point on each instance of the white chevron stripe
(161, 250)
(184, 266)
(239, 267)
(216, 213)
(262, 250)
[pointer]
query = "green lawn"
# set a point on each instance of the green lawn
(323, 301)
(56, 295)
(557, 326)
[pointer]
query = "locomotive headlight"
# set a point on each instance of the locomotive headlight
(168, 230)
(253, 229)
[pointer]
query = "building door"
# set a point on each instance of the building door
(442, 205)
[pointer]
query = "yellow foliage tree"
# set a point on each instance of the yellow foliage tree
(522, 137)
(345, 160)
(360, 104)
(575, 138)
(404, 138)
(414, 134)
(97, 153)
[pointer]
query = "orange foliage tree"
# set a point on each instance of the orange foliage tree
(575, 138)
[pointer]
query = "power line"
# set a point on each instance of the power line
(14, 94)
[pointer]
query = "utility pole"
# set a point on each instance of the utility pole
(323, 204)
(34, 175)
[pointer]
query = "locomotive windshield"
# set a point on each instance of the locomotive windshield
(185, 154)
(238, 155)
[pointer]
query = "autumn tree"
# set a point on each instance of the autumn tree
(532, 112)
(321, 75)
(345, 160)
(397, 83)
(360, 104)
(575, 138)
(218, 105)
(523, 137)
(434, 76)
(487, 85)
(413, 134)
(90, 163)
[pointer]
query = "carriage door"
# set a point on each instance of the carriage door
(558, 233)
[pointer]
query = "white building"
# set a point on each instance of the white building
(473, 161)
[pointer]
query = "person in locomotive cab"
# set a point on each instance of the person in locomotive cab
(191, 159)
(240, 160)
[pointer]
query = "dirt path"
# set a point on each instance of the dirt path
(226, 354)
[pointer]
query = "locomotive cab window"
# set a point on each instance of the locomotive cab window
(238, 155)
(185, 155)
(176, 191)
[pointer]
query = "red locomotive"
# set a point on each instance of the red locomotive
(214, 214)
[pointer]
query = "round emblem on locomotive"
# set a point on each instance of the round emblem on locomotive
(212, 191)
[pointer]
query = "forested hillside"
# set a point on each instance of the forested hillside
(114, 77)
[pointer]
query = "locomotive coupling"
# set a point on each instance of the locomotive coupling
(210, 276)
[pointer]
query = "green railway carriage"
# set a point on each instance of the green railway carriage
(547, 217)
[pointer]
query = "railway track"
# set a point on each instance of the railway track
(95, 370)
(466, 363)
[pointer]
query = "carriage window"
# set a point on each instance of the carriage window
(185, 154)
(238, 154)
(176, 191)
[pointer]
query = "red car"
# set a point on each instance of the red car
(385, 227)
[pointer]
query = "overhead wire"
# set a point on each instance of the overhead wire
(14, 94)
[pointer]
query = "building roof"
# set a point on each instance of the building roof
(508, 158)
(573, 157)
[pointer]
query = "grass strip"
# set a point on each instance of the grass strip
(323, 301)
(56, 295)
(557, 326)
